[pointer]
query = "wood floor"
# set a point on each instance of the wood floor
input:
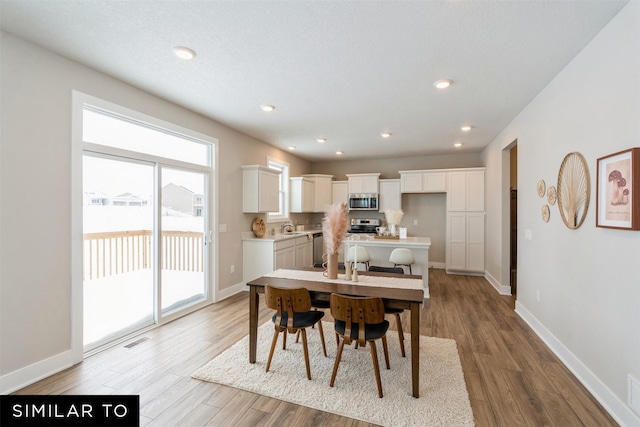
(513, 379)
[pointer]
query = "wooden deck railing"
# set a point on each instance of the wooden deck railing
(110, 253)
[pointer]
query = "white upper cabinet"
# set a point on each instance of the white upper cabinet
(423, 181)
(260, 189)
(390, 195)
(465, 191)
(363, 183)
(322, 198)
(340, 192)
(302, 194)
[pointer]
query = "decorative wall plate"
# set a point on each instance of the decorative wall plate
(545, 213)
(541, 188)
(574, 190)
(551, 195)
(258, 227)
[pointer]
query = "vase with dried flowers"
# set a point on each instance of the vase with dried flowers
(334, 227)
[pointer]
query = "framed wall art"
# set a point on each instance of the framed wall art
(618, 190)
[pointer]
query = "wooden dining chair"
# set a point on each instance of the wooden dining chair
(396, 312)
(293, 313)
(360, 320)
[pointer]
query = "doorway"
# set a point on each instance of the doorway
(513, 219)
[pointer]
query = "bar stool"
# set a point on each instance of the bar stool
(402, 256)
(361, 255)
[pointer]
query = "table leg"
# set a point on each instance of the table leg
(415, 348)
(253, 323)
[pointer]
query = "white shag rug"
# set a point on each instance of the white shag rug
(443, 394)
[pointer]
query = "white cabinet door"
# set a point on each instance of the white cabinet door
(285, 257)
(475, 191)
(465, 242)
(475, 242)
(434, 182)
(363, 183)
(457, 191)
(411, 182)
(340, 192)
(302, 195)
(456, 241)
(304, 253)
(390, 195)
(260, 189)
(323, 193)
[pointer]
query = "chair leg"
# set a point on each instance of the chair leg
(385, 348)
(336, 363)
(273, 346)
(376, 367)
(410, 269)
(400, 333)
(305, 349)
(321, 332)
(297, 335)
(284, 339)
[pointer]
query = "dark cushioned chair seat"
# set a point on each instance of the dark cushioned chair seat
(371, 332)
(318, 303)
(301, 320)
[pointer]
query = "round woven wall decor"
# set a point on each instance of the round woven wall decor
(573, 190)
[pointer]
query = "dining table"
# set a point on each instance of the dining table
(396, 290)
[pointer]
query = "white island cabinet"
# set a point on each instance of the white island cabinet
(380, 249)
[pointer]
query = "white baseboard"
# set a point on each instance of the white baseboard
(502, 289)
(226, 293)
(616, 408)
(30, 374)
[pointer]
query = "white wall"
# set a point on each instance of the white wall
(35, 274)
(588, 279)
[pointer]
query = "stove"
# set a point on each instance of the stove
(364, 225)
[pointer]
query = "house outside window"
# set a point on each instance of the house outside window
(283, 212)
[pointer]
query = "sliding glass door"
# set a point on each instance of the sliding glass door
(184, 238)
(146, 216)
(118, 223)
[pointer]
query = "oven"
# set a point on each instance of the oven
(363, 201)
(364, 225)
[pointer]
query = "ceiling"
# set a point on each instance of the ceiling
(346, 71)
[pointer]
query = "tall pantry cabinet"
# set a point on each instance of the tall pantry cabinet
(465, 221)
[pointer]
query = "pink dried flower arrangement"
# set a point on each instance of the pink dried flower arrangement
(334, 227)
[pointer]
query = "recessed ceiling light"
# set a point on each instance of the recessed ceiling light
(442, 84)
(184, 52)
(458, 144)
(321, 140)
(465, 128)
(267, 107)
(339, 153)
(385, 135)
(291, 147)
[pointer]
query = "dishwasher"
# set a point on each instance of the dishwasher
(318, 247)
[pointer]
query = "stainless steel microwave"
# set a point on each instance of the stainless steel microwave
(363, 201)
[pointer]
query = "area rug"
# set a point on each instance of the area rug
(443, 394)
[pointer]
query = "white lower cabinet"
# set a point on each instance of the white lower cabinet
(262, 256)
(465, 242)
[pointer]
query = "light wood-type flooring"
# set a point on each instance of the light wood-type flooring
(513, 379)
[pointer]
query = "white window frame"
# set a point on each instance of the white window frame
(283, 167)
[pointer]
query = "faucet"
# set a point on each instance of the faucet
(286, 225)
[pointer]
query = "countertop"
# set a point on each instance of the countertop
(248, 235)
(367, 240)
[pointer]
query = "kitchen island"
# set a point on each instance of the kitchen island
(380, 249)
